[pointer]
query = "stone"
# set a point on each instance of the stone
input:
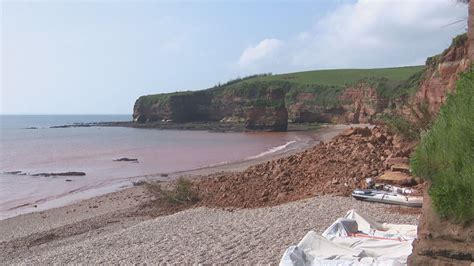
(396, 178)
(400, 167)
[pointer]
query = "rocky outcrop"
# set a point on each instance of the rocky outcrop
(261, 105)
(442, 73)
(178, 107)
(441, 242)
(268, 115)
(361, 103)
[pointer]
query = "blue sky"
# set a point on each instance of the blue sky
(98, 56)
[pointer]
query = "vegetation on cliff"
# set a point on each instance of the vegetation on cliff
(308, 94)
(445, 155)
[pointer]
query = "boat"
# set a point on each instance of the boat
(374, 195)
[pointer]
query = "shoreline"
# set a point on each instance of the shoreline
(324, 133)
(102, 225)
(211, 126)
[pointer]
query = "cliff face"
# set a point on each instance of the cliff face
(442, 73)
(361, 101)
(269, 114)
(261, 107)
(441, 242)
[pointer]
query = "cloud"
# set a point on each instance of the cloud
(368, 33)
(257, 55)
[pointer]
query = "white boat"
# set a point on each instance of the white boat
(382, 196)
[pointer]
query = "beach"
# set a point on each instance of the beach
(36, 153)
(116, 232)
(126, 227)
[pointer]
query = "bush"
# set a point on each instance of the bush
(445, 155)
(409, 129)
(182, 193)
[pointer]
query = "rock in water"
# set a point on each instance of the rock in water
(125, 159)
(61, 174)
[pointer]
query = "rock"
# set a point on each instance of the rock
(13, 173)
(396, 178)
(441, 242)
(125, 159)
(395, 160)
(61, 174)
(400, 167)
(270, 114)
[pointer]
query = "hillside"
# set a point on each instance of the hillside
(343, 95)
(343, 77)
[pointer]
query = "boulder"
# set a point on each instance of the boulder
(400, 167)
(396, 178)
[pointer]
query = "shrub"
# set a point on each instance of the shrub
(410, 129)
(445, 155)
(182, 193)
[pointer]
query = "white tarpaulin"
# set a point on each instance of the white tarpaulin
(356, 239)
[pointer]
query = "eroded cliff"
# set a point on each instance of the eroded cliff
(357, 98)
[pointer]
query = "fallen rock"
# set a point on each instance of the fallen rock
(336, 167)
(395, 160)
(400, 167)
(396, 178)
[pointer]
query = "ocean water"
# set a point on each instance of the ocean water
(93, 150)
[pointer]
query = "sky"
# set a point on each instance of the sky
(98, 57)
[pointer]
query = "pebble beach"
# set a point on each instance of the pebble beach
(106, 234)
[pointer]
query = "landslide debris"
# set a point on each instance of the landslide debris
(336, 167)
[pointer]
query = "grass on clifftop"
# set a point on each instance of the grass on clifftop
(445, 154)
(328, 84)
(343, 77)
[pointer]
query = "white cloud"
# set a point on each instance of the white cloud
(258, 54)
(368, 33)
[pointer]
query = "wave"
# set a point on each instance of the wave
(273, 150)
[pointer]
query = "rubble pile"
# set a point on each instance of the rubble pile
(336, 167)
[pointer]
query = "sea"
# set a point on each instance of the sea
(28, 146)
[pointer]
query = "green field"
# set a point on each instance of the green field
(342, 77)
(327, 84)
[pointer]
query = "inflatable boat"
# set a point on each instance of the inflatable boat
(382, 196)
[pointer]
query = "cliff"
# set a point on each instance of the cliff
(325, 96)
(332, 96)
(442, 72)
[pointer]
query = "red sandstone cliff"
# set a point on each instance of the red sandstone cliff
(441, 74)
(440, 241)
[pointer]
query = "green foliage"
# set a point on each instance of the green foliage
(344, 77)
(325, 85)
(392, 89)
(182, 193)
(326, 96)
(459, 40)
(162, 97)
(410, 129)
(239, 79)
(446, 154)
(400, 126)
